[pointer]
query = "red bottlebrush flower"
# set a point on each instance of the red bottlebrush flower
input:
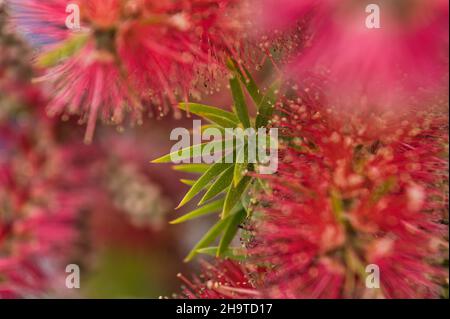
(15, 70)
(352, 193)
(40, 202)
(407, 57)
(224, 279)
(133, 53)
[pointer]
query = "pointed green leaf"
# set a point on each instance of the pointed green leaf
(208, 238)
(200, 212)
(221, 121)
(209, 126)
(267, 105)
(188, 182)
(197, 149)
(192, 168)
(239, 102)
(246, 199)
(64, 50)
(241, 165)
(199, 109)
(231, 230)
(234, 195)
(230, 253)
(204, 180)
(213, 114)
(247, 80)
(219, 185)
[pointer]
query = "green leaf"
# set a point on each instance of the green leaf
(192, 168)
(213, 114)
(208, 238)
(224, 123)
(231, 230)
(267, 105)
(200, 212)
(219, 185)
(209, 126)
(180, 154)
(246, 200)
(240, 168)
(64, 50)
(239, 102)
(188, 182)
(229, 253)
(247, 80)
(234, 195)
(204, 180)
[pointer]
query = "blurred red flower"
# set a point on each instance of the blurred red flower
(347, 196)
(132, 54)
(404, 60)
